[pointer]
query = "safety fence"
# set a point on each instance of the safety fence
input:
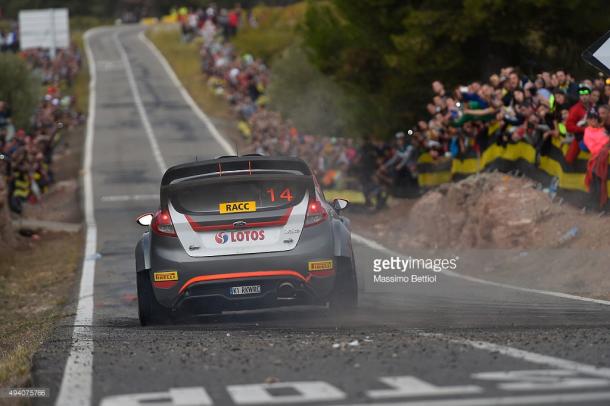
(516, 156)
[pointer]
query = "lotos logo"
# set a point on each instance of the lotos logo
(240, 236)
(221, 237)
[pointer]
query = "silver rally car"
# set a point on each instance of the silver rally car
(237, 233)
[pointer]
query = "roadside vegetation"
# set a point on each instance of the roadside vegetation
(19, 87)
(276, 30)
(38, 268)
(184, 60)
(34, 286)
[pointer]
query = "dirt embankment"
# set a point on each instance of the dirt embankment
(504, 228)
(487, 211)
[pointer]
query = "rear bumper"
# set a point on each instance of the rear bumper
(211, 297)
(204, 283)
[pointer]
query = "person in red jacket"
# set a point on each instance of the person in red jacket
(576, 122)
(597, 142)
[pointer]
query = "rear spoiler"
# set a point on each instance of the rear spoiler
(233, 164)
(201, 173)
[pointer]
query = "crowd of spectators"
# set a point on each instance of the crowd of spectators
(208, 22)
(509, 107)
(512, 107)
(26, 154)
(243, 80)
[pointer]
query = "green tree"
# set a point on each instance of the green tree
(313, 101)
(389, 51)
(19, 87)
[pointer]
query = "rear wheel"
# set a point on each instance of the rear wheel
(149, 310)
(344, 298)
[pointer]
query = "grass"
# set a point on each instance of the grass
(277, 30)
(353, 196)
(185, 61)
(80, 88)
(34, 285)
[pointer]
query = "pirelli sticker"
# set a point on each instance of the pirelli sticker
(166, 276)
(320, 265)
(237, 207)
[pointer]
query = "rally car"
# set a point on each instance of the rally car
(237, 233)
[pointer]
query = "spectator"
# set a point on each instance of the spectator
(596, 141)
(576, 122)
(27, 155)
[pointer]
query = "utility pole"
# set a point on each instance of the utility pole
(53, 39)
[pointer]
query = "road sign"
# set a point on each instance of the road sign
(598, 54)
(48, 28)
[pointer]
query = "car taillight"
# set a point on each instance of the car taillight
(315, 213)
(162, 224)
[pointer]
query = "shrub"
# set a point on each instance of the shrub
(19, 87)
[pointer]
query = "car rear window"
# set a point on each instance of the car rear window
(267, 195)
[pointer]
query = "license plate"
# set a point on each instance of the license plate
(246, 290)
(237, 207)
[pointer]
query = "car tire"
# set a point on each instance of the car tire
(149, 309)
(344, 298)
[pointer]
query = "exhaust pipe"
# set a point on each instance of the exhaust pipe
(285, 291)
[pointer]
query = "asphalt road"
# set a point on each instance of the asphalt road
(449, 342)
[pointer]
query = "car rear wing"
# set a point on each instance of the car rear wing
(228, 165)
(254, 168)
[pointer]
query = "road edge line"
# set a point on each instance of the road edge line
(379, 247)
(526, 400)
(76, 383)
(363, 240)
(137, 99)
(528, 356)
(186, 96)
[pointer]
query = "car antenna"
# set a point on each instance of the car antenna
(236, 149)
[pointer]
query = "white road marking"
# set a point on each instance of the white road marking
(126, 198)
(379, 247)
(196, 396)
(528, 356)
(140, 106)
(108, 66)
(187, 97)
(529, 290)
(502, 400)
(190, 397)
(307, 391)
(76, 381)
(245, 395)
(408, 386)
(541, 379)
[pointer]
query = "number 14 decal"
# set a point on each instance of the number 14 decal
(285, 194)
